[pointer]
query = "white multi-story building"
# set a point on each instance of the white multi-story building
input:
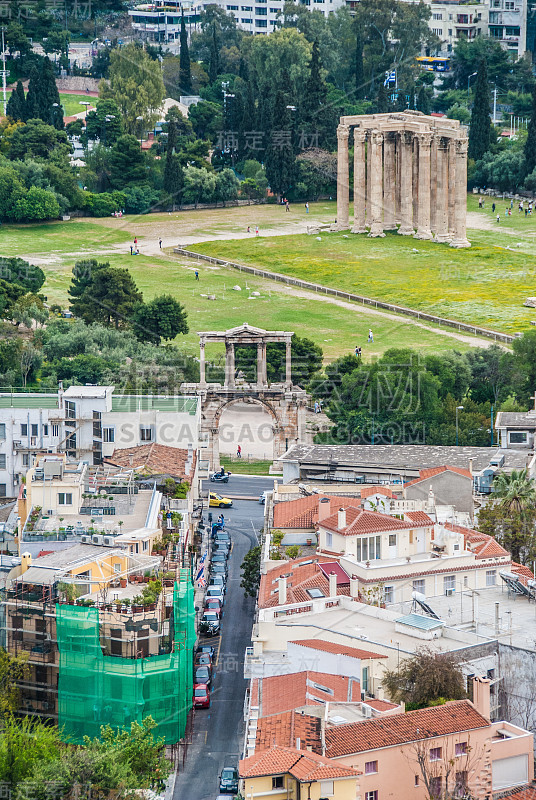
(452, 21)
(88, 423)
(508, 24)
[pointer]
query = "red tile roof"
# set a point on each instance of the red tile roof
(337, 649)
(328, 567)
(381, 705)
(360, 522)
(284, 692)
(426, 474)
(482, 545)
(302, 574)
(522, 571)
(367, 491)
(284, 729)
(154, 459)
(419, 518)
(389, 731)
(303, 513)
(525, 793)
(303, 766)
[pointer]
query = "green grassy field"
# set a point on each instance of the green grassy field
(241, 466)
(71, 102)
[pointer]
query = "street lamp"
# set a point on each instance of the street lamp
(56, 106)
(472, 75)
(458, 408)
(140, 120)
(84, 103)
(107, 118)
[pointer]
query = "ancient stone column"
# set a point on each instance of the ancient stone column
(389, 182)
(442, 230)
(398, 147)
(343, 179)
(423, 211)
(288, 362)
(460, 172)
(451, 181)
(360, 187)
(202, 378)
(229, 365)
(415, 183)
(433, 183)
(376, 183)
(261, 365)
(406, 184)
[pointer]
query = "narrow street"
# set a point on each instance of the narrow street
(218, 731)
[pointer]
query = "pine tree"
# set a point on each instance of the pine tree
(480, 128)
(185, 74)
(530, 144)
(173, 173)
(214, 61)
(16, 107)
(359, 71)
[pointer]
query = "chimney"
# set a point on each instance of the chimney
(341, 519)
(25, 562)
(332, 584)
(282, 591)
(471, 466)
(481, 696)
(324, 508)
(354, 586)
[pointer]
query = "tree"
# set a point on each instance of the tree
(199, 185)
(425, 678)
(173, 172)
(214, 62)
(280, 162)
(480, 128)
(16, 270)
(13, 670)
(127, 163)
(185, 75)
(37, 139)
(423, 100)
(251, 572)
(135, 85)
(530, 144)
(110, 298)
(161, 318)
(511, 516)
(105, 123)
(227, 185)
(16, 106)
(445, 778)
(83, 275)
(24, 745)
(43, 99)
(359, 74)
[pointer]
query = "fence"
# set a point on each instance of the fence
(505, 338)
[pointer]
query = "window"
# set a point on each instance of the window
(368, 548)
(516, 437)
(25, 459)
(437, 31)
(419, 585)
(329, 540)
(24, 429)
(35, 430)
(371, 795)
(371, 767)
(411, 537)
(70, 409)
(55, 430)
(436, 786)
(278, 782)
(392, 540)
(460, 749)
(65, 499)
(416, 782)
(146, 434)
(261, 23)
(449, 583)
(513, 30)
(274, 11)
(246, 21)
(315, 594)
(326, 789)
(108, 434)
(117, 567)
(460, 788)
(261, 12)
(365, 679)
(491, 577)
(389, 594)
(45, 430)
(435, 754)
(2, 460)
(2, 490)
(2, 430)
(437, 16)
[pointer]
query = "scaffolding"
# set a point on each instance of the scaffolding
(96, 689)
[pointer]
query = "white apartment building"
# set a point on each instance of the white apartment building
(508, 23)
(88, 423)
(452, 21)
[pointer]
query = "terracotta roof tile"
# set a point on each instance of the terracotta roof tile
(303, 513)
(426, 474)
(367, 491)
(337, 649)
(302, 574)
(154, 459)
(419, 518)
(522, 570)
(303, 766)
(523, 793)
(381, 705)
(284, 692)
(284, 729)
(482, 545)
(360, 522)
(389, 731)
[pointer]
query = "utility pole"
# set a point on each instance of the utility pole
(4, 71)
(495, 105)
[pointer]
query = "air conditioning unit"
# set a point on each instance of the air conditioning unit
(108, 541)
(86, 539)
(97, 539)
(449, 592)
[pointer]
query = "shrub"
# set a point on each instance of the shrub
(106, 203)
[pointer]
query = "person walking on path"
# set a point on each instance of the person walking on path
(196, 275)
(256, 230)
(160, 243)
(307, 208)
(493, 208)
(480, 202)
(370, 336)
(239, 452)
(131, 249)
(135, 241)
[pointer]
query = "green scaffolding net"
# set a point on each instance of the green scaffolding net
(96, 689)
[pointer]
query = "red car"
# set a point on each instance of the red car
(201, 696)
(213, 605)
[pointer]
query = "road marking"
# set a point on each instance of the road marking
(218, 652)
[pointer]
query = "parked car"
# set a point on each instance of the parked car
(218, 568)
(201, 696)
(202, 675)
(203, 660)
(217, 580)
(262, 498)
(218, 557)
(217, 501)
(229, 779)
(215, 591)
(205, 648)
(213, 621)
(222, 536)
(221, 546)
(213, 604)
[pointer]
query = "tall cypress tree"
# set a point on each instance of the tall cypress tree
(423, 101)
(173, 173)
(185, 73)
(280, 162)
(530, 144)
(480, 128)
(43, 98)
(315, 88)
(214, 61)
(359, 73)
(381, 106)
(16, 106)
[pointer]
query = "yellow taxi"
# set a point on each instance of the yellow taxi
(217, 501)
